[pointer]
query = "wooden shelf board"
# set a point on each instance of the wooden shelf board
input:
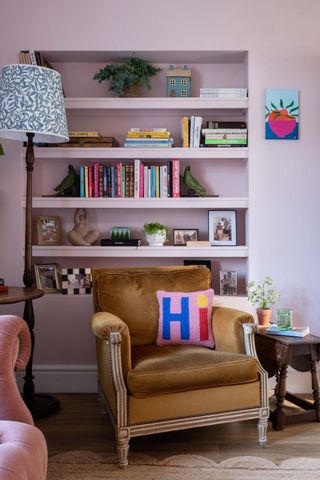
(141, 252)
(142, 153)
(183, 202)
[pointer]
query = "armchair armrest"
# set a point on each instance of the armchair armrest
(104, 325)
(227, 329)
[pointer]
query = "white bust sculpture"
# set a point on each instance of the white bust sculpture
(81, 233)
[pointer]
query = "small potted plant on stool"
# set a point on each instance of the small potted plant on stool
(263, 295)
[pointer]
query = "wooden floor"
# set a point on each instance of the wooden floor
(80, 425)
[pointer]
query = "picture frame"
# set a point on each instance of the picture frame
(76, 281)
(222, 227)
(183, 235)
(228, 283)
(47, 277)
(48, 230)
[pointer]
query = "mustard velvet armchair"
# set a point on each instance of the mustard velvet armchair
(147, 388)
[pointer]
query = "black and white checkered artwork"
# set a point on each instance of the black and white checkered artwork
(76, 281)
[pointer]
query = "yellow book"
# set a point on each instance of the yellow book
(148, 134)
(185, 132)
(84, 134)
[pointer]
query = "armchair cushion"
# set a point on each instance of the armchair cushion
(172, 369)
(185, 318)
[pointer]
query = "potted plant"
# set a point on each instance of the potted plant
(125, 76)
(263, 295)
(155, 233)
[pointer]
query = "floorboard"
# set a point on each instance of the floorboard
(80, 425)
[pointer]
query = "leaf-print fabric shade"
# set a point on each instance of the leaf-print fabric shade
(31, 100)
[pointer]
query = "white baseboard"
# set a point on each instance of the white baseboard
(63, 378)
(83, 379)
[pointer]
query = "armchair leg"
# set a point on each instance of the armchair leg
(122, 443)
(262, 430)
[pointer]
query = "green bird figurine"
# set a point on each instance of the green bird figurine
(193, 184)
(66, 186)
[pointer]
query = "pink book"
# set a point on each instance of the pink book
(119, 179)
(90, 180)
(175, 178)
(141, 186)
(96, 179)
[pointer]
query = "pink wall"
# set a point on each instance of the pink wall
(283, 42)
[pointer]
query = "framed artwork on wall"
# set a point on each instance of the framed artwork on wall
(282, 115)
(48, 230)
(222, 227)
(76, 281)
(47, 277)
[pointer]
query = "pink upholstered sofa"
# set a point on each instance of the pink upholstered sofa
(23, 448)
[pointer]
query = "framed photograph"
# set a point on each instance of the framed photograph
(76, 281)
(48, 230)
(228, 283)
(47, 277)
(222, 227)
(183, 235)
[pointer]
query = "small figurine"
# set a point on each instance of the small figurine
(179, 81)
(193, 184)
(81, 233)
(67, 186)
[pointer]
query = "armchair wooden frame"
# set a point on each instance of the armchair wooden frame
(124, 431)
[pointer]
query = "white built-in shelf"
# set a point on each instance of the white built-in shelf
(156, 103)
(142, 153)
(184, 202)
(140, 252)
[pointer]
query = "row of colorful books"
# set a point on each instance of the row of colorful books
(214, 134)
(153, 137)
(191, 131)
(130, 180)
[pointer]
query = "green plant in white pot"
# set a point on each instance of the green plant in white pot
(263, 295)
(155, 233)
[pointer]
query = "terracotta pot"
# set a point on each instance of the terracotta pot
(264, 316)
(133, 91)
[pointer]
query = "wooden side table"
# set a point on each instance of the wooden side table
(39, 405)
(276, 353)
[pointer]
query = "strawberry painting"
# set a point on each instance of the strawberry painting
(282, 114)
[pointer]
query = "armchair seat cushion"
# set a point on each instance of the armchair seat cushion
(171, 369)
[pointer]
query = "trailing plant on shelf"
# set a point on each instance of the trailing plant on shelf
(156, 233)
(125, 76)
(263, 295)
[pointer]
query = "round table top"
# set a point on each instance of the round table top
(20, 294)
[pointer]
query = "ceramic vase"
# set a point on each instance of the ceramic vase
(157, 239)
(264, 315)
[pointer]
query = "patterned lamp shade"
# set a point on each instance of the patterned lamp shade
(31, 100)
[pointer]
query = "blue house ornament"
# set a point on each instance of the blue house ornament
(179, 81)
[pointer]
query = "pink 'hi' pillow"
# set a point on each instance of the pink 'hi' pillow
(185, 318)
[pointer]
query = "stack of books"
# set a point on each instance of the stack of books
(225, 134)
(223, 92)
(85, 140)
(294, 332)
(152, 137)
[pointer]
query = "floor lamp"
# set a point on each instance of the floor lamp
(32, 110)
